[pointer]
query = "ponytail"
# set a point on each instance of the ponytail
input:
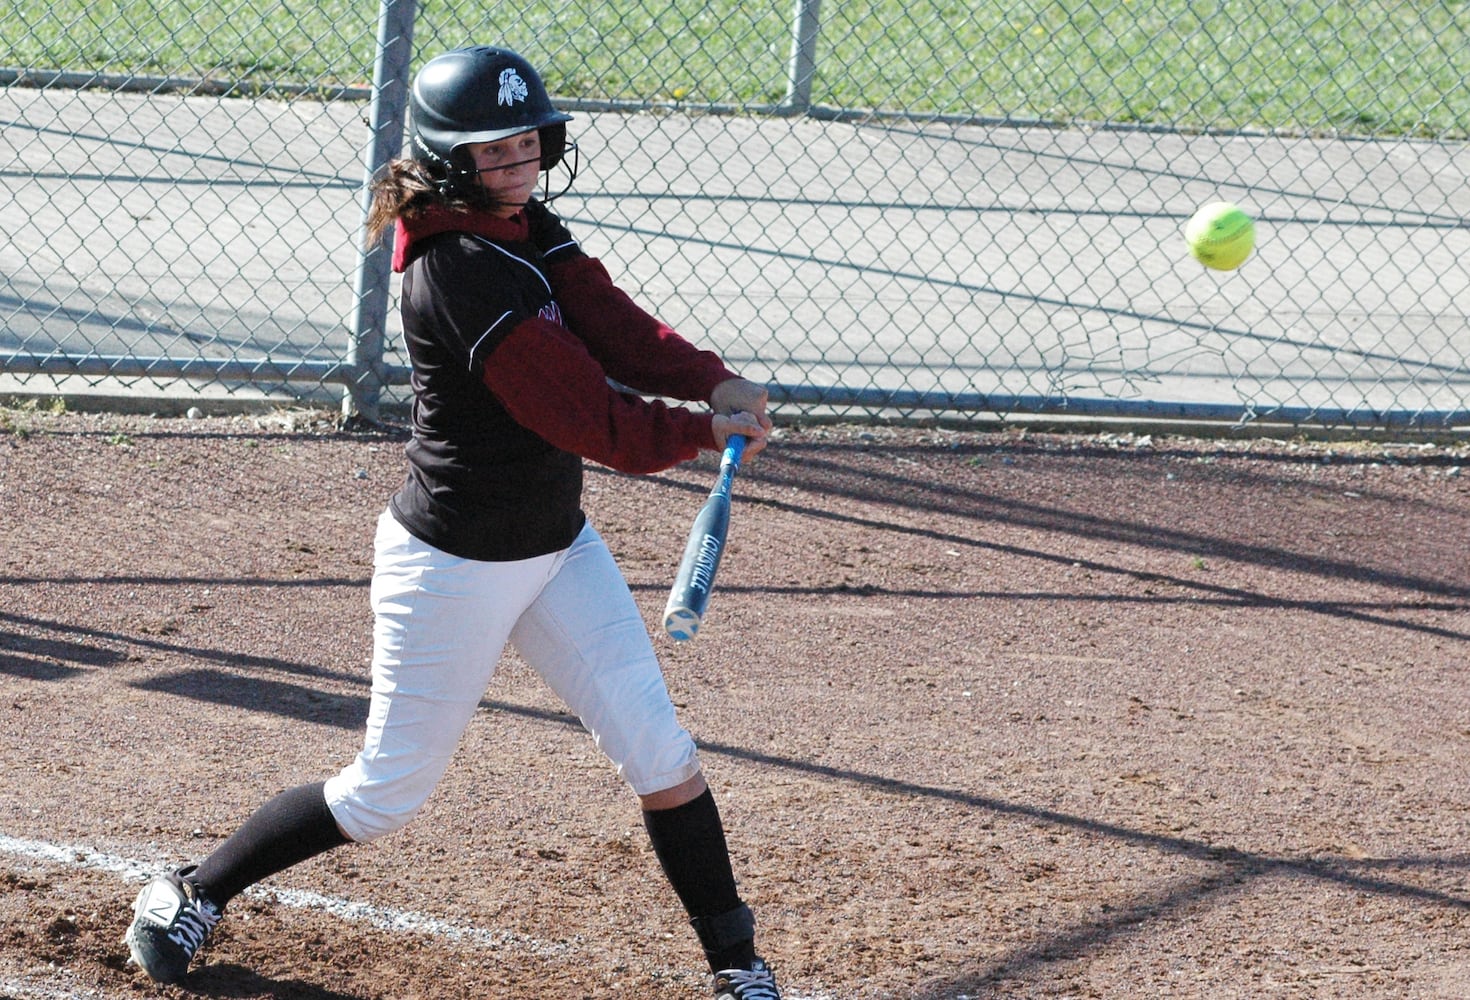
(406, 187)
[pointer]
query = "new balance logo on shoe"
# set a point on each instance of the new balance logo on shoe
(159, 902)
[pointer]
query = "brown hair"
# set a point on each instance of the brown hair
(405, 187)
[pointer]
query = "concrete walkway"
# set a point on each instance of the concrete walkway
(984, 267)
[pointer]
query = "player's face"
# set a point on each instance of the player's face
(509, 169)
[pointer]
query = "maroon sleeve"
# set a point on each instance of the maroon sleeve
(550, 384)
(633, 347)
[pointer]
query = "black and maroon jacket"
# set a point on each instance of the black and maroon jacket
(511, 359)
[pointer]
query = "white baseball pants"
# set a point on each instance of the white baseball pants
(441, 624)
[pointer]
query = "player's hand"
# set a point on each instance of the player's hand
(738, 395)
(744, 424)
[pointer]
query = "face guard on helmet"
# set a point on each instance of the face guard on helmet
(481, 94)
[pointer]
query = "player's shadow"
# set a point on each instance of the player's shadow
(226, 979)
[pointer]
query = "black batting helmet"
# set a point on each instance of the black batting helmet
(478, 94)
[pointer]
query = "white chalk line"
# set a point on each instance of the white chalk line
(384, 918)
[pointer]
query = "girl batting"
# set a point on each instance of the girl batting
(513, 333)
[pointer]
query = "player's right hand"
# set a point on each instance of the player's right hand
(744, 424)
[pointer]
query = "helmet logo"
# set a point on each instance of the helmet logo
(512, 87)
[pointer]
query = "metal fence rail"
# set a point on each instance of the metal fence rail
(884, 208)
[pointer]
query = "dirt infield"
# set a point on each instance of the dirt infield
(988, 714)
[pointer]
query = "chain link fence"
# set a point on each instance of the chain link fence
(904, 208)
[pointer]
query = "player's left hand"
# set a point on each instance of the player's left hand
(738, 395)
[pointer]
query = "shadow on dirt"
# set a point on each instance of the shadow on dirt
(46, 659)
(258, 694)
(227, 980)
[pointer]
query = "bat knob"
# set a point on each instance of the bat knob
(681, 624)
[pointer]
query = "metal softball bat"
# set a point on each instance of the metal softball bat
(689, 596)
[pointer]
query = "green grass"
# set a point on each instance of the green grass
(1377, 67)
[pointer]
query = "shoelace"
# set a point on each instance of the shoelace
(756, 985)
(194, 923)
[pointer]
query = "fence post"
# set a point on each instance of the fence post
(803, 65)
(374, 266)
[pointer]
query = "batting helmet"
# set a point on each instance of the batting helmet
(478, 94)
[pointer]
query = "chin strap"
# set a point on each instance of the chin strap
(568, 166)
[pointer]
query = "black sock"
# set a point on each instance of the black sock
(293, 826)
(690, 843)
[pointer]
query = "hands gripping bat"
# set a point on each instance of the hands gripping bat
(696, 577)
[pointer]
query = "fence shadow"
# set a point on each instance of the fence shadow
(804, 468)
(1231, 871)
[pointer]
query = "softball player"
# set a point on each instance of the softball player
(513, 333)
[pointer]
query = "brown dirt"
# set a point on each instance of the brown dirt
(988, 714)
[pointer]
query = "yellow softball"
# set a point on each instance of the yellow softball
(1220, 236)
